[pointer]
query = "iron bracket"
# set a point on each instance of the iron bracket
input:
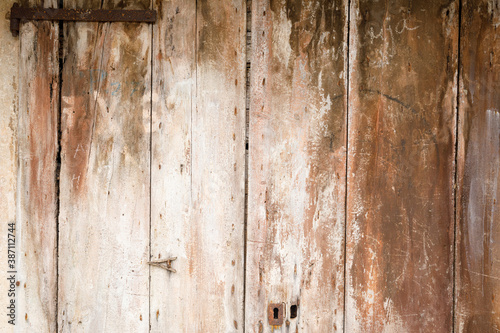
(19, 14)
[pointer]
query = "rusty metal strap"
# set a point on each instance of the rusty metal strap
(18, 14)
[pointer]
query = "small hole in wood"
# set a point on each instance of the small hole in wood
(276, 312)
(293, 311)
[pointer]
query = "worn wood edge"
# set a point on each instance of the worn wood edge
(476, 271)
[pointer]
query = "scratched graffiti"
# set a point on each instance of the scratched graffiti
(387, 34)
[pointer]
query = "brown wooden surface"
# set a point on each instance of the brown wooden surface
(400, 202)
(104, 182)
(198, 166)
(297, 145)
(478, 206)
(382, 107)
(37, 190)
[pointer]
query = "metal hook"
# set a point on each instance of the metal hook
(164, 263)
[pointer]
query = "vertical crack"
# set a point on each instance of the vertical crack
(248, 50)
(346, 159)
(60, 55)
(150, 166)
(455, 183)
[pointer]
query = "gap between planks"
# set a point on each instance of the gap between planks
(455, 187)
(248, 51)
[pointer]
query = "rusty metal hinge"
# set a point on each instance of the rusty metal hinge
(18, 14)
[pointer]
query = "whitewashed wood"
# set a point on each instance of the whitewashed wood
(9, 58)
(297, 139)
(36, 190)
(198, 166)
(174, 92)
(104, 200)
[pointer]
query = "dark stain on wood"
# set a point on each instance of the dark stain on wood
(84, 112)
(213, 33)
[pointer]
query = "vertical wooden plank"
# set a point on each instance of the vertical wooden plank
(216, 248)
(9, 57)
(198, 166)
(174, 92)
(105, 168)
(400, 203)
(297, 147)
(478, 206)
(36, 226)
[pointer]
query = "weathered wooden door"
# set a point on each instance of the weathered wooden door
(132, 143)
(308, 166)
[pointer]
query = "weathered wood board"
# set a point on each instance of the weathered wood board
(36, 220)
(400, 197)
(350, 218)
(174, 93)
(9, 58)
(105, 174)
(198, 166)
(478, 206)
(297, 155)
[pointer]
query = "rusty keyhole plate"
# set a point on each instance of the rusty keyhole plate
(275, 313)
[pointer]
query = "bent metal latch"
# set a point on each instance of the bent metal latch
(19, 14)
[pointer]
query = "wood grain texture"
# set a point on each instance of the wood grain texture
(478, 208)
(297, 149)
(400, 203)
(9, 75)
(198, 168)
(174, 95)
(36, 220)
(105, 168)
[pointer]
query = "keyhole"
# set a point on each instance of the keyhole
(275, 312)
(293, 311)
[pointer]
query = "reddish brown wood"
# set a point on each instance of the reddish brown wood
(478, 206)
(295, 241)
(37, 182)
(400, 204)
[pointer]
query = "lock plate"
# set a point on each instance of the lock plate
(275, 313)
